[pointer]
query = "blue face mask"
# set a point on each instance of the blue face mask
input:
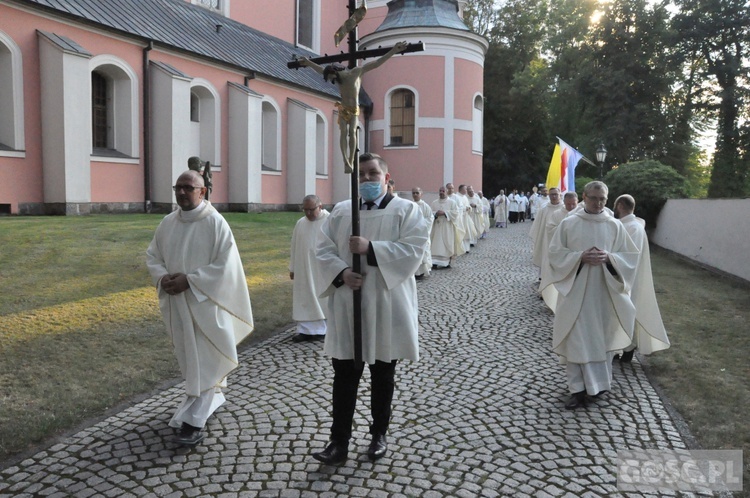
(370, 190)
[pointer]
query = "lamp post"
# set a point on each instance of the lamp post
(601, 155)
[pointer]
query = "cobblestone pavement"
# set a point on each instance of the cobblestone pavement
(481, 414)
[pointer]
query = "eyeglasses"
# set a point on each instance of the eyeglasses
(186, 188)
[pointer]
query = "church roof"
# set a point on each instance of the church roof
(422, 13)
(189, 28)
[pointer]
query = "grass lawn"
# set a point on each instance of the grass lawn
(80, 330)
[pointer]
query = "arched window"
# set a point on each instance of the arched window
(114, 108)
(477, 125)
(271, 143)
(402, 114)
(204, 122)
(100, 124)
(11, 96)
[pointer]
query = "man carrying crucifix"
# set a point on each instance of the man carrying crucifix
(392, 242)
(349, 82)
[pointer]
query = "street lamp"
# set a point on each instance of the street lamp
(601, 155)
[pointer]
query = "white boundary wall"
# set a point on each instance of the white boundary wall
(713, 232)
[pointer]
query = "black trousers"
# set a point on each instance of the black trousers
(345, 385)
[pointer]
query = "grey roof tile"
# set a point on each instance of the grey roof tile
(190, 28)
(422, 13)
(65, 43)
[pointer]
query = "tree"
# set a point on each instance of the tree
(650, 182)
(718, 31)
(516, 138)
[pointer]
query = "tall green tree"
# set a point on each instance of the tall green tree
(516, 88)
(718, 33)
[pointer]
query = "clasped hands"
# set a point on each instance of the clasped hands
(595, 257)
(175, 283)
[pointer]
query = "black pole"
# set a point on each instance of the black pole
(356, 259)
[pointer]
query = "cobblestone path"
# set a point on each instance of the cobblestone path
(481, 414)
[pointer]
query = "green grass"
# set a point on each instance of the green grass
(706, 372)
(80, 329)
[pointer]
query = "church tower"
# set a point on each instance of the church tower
(427, 107)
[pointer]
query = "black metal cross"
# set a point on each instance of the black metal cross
(352, 57)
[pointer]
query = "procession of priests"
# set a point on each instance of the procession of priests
(594, 273)
(594, 264)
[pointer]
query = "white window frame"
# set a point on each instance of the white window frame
(315, 26)
(271, 136)
(387, 107)
(11, 99)
(122, 90)
(477, 125)
(210, 121)
(321, 145)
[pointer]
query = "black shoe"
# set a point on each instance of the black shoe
(627, 356)
(576, 400)
(189, 435)
(304, 337)
(378, 447)
(335, 454)
(419, 277)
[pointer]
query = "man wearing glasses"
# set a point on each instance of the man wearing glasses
(593, 262)
(196, 267)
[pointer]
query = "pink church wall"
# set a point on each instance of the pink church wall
(112, 182)
(274, 185)
(275, 17)
(333, 15)
(468, 165)
(469, 81)
(411, 72)
(21, 178)
(27, 185)
(422, 167)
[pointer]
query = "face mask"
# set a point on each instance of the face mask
(370, 190)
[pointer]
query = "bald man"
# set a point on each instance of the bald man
(196, 267)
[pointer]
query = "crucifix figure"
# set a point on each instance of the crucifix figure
(349, 82)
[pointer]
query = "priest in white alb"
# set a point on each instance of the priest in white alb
(392, 240)
(546, 289)
(501, 210)
(476, 212)
(593, 262)
(446, 238)
(424, 269)
(649, 334)
(540, 237)
(196, 267)
(308, 310)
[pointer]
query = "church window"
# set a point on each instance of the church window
(308, 24)
(402, 117)
(100, 112)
